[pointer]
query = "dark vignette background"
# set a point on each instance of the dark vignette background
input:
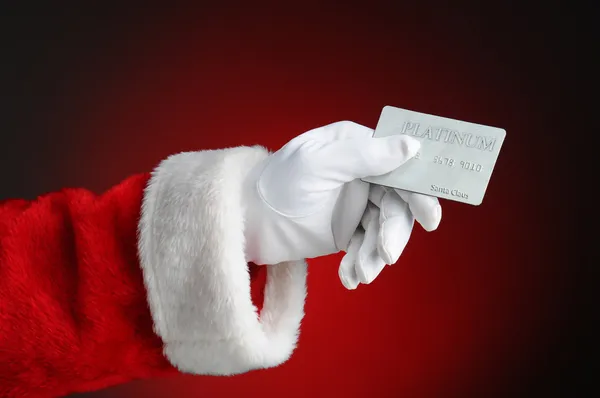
(90, 96)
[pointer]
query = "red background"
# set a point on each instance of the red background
(475, 309)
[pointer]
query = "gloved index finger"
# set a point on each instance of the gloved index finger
(426, 209)
(346, 160)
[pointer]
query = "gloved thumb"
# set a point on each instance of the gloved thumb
(349, 159)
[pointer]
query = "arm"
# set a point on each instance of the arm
(145, 280)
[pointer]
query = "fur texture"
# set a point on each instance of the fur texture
(74, 313)
(191, 245)
(73, 309)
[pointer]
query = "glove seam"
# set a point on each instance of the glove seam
(270, 206)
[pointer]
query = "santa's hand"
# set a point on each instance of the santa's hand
(307, 200)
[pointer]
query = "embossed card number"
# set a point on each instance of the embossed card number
(455, 161)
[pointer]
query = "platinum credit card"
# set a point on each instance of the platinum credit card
(455, 161)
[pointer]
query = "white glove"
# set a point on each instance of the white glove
(307, 200)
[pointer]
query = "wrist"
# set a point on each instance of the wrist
(254, 214)
(191, 248)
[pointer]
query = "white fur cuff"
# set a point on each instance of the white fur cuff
(191, 245)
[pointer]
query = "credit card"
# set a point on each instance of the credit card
(455, 161)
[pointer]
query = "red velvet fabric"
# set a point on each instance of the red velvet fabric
(73, 307)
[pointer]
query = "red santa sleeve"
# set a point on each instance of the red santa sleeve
(145, 280)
